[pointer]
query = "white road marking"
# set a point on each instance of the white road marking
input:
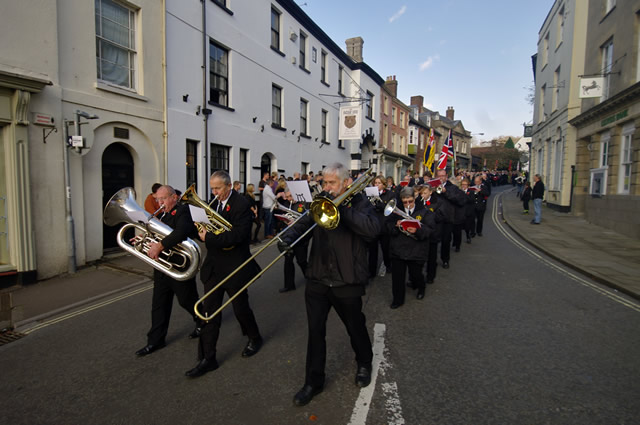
(560, 269)
(390, 390)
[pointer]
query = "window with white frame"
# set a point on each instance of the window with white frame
(323, 67)
(218, 74)
(116, 53)
(276, 106)
(560, 33)
(340, 88)
(304, 111)
(545, 50)
(556, 89)
(394, 117)
(542, 115)
(219, 159)
(607, 65)
(624, 180)
(369, 104)
(604, 149)
(401, 119)
(275, 29)
(303, 50)
(539, 161)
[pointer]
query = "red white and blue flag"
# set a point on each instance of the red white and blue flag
(447, 151)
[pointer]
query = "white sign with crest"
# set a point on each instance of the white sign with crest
(350, 123)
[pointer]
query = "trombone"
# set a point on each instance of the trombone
(324, 212)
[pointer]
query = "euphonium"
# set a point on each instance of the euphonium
(180, 262)
(217, 224)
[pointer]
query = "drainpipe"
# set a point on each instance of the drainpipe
(205, 44)
(573, 173)
(165, 129)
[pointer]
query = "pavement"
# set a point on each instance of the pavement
(603, 255)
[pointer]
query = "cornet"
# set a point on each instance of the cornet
(217, 224)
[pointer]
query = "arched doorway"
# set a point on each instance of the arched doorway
(117, 172)
(265, 164)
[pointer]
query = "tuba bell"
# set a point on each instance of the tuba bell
(217, 224)
(180, 262)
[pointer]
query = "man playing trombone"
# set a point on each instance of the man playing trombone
(177, 217)
(225, 252)
(336, 277)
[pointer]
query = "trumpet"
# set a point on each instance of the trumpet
(217, 224)
(289, 214)
(180, 262)
(392, 209)
(325, 214)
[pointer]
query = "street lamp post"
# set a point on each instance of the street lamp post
(71, 240)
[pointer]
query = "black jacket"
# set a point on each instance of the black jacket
(526, 194)
(179, 219)
(226, 251)
(410, 248)
(439, 208)
(470, 205)
(380, 205)
(339, 257)
(456, 200)
(538, 190)
(481, 197)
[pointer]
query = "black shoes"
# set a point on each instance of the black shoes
(480, 234)
(395, 305)
(363, 376)
(253, 346)
(196, 332)
(420, 294)
(148, 349)
(201, 368)
(445, 265)
(468, 240)
(429, 281)
(304, 396)
(282, 290)
(457, 249)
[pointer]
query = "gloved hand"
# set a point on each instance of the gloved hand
(284, 247)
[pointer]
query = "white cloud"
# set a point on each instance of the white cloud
(429, 62)
(398, 14)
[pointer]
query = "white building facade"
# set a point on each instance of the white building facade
(256, 87)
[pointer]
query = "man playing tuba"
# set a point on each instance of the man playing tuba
(178, 217)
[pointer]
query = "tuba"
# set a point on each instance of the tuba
(180, 262)
(217, 224)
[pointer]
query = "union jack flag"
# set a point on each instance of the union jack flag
(447, 151)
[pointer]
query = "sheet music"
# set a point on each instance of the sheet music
(300, 191)
(372, 191)
(199, 215)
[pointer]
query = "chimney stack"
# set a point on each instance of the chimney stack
(417, 101)
(392, 85)
(354, 48)
(450, 112)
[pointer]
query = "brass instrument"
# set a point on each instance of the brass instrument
(180, 262)
(324, 212)
(289, 214)
(391, 208)
(217, 224)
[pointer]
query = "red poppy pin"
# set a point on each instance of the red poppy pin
(173, 212)
(228, 208)
(428, 202)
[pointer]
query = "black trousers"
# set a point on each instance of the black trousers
(479, 220)
(349, 310)
(457, 234)
(470, 225)
(383, 241)
(432, 261)
(164, 288)
(299, 252)
(211, 329)
(445, 246)
(399, 276)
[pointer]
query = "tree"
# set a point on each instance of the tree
(509, 144)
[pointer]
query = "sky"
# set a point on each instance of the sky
(473, 55)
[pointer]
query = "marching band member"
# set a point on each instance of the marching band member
(469, 208)
(452, 197)
(481, 196)
(336, 277)
(178, 217)
(299, 251)
(439, 210)
(225, 252)
(385, 195)
(409, 247)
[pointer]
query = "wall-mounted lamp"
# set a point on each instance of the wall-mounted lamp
(262, 128)
(293, 132)
(254, 119)
(185, 97)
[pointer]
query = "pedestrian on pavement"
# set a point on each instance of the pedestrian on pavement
(336, 277)
(268, 203)
(409, 246)
(537, 195)
(253, 205)
(178, 217)
(526, 197)
(151, 204)
(225, 252)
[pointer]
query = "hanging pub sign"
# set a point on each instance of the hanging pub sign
(350, 123)
(591, 87)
